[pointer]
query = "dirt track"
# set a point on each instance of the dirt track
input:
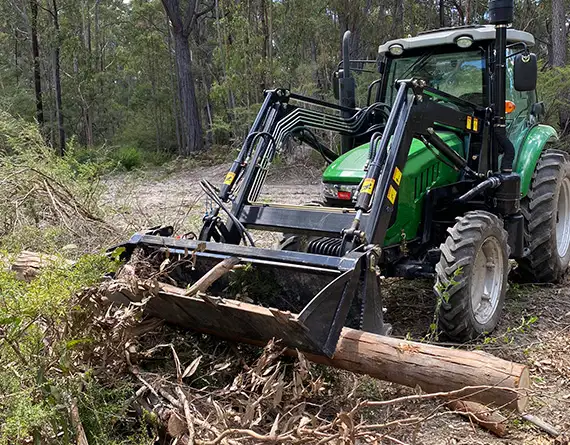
(535, 328)
(139, 200)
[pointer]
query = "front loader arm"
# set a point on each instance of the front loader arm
(414, 115)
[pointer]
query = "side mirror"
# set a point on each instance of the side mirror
(335, 84)
(525, 72)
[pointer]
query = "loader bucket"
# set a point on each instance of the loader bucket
(302, 299)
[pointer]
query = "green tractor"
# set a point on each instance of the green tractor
(446, 172)
(472, 268)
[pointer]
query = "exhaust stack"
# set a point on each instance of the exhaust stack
(501, 15)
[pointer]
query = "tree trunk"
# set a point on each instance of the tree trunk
(36, 62)
(191, 126)
(57, 81)
(398, 15)
(558, 33)
(175, 98)
(87, 103)
(558, 58)
(182, 24)
(266, 44)
(441, 14)
(433, 368)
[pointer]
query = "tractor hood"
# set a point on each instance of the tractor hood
(349, 168)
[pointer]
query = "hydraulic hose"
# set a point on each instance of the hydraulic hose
(492, 182)
(211, 193)
(373, 145)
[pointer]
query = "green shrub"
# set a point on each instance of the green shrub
(156, 158)
(129, 158)
(41, 372)
(42, 190)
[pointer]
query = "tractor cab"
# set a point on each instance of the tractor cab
(457, 62)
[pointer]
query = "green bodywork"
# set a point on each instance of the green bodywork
(529, 146)
(422, 172)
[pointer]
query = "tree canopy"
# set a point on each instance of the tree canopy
(181, 75)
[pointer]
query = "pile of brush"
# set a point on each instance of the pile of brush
(41, 190)
(203, 390)
(190, 388)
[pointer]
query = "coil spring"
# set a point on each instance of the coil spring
(325, 246)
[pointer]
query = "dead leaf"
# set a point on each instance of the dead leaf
(192, 367)
(163, 265)
(273, 431)
(176, 426)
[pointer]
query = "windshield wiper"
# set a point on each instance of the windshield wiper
(419, 63)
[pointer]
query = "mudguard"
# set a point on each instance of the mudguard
(530, 150)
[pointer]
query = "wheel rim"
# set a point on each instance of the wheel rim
(487, 283)
(563, 219)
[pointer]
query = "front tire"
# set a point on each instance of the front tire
(471, 276)
(546, 211)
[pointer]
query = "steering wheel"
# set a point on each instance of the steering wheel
(446, 103)
(475, 98)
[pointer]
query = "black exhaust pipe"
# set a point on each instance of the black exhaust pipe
(347, 97)
(501, 15)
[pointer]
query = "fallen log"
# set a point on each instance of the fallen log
(27, 265)
(481, 415)
(486, 379)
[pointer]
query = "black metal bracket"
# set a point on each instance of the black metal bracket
(372, 315)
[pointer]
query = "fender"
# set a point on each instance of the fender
(530, 150)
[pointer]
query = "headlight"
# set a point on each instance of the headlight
(464, 42)
(396, 49)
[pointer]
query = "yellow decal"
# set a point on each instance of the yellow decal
(368, 186)
(469, 122)
(392, 194)
(397, 176)
(475, 124)
(230, 178)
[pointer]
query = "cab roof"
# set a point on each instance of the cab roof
(447, 36)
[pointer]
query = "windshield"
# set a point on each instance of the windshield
(459, 74)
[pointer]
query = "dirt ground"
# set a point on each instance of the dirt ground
(535, 327)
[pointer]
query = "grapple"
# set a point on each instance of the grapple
(301, 298)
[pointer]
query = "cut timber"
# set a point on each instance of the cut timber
(28, 265)
(481, 415)
(433, 368)
(214, 274)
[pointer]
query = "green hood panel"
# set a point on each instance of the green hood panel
(349, 167)
(422, 172)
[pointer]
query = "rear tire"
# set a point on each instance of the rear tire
(471, 276)
(546, 211)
